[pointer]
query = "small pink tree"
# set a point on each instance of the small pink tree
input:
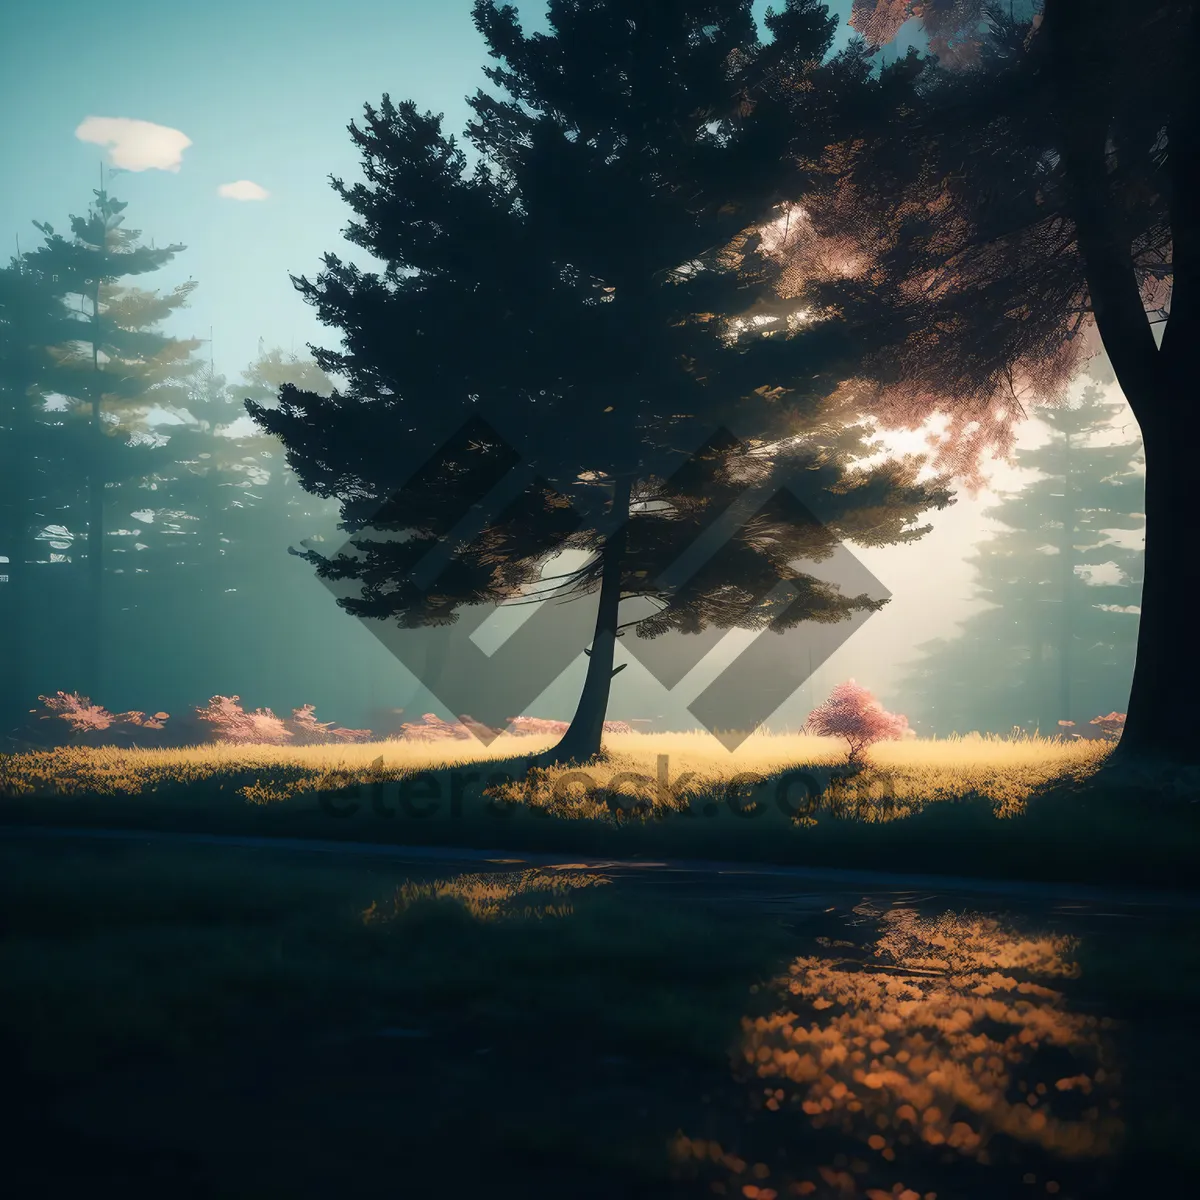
(853, 713)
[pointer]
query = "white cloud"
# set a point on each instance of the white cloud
(240, 427)
(136, 145)
(243, 189)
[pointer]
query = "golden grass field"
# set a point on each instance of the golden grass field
(906, 773)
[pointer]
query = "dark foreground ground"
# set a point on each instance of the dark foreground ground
(181, 1017)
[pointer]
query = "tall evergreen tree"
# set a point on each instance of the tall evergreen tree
(589, 293)
(31, 319)
(1065, 583)
(111, 361)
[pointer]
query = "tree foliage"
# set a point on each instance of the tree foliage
(853, 713)
(113, 366)
(1008, 209)
(592, 300)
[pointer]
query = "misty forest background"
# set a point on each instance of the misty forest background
(202, 597)
(136, 459)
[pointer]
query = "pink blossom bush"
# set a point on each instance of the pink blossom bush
(431, 728)
(350, 735)
(543, 727)
(1111, 726)
(1107, 728)
(853, 713)
(1068, 729)
(81, 715)
(308, 731)
(92, 724)
(76, 720)
(536, 727)
(232, 724)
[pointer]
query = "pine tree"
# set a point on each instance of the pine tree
(221, 506)
(111, 364)
(593, 295)
(265, 513)
(1060, 641)
(31, 317)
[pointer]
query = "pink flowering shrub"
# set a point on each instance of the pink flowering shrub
(1107, 728)
(81, 715)
(536, 727)
(853, 713)
(1111, 726)
(308, 731)
(231, 723)
(75, 720)
(92, 724)
(431, 728)
(542, 727)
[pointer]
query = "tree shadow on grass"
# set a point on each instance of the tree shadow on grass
(1082, 830)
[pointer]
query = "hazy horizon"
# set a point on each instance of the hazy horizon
(220, 129)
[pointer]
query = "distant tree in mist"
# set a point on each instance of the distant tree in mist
(224, 504)
(31, 319)
(1063, 578)
(198, 507)
(111, 363)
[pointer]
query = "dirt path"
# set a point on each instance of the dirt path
(779, 884)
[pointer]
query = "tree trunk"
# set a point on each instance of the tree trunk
(14, 533)
(582, 740)
(1163, 720)
(93, 635)
(1067, 569)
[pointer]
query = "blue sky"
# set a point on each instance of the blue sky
(262, 93)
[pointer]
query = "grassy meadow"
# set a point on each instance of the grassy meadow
(1022, 807)
(1003, 770)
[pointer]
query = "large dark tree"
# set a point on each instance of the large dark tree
(590, 301)
(1029, 196)
(1062, 579)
